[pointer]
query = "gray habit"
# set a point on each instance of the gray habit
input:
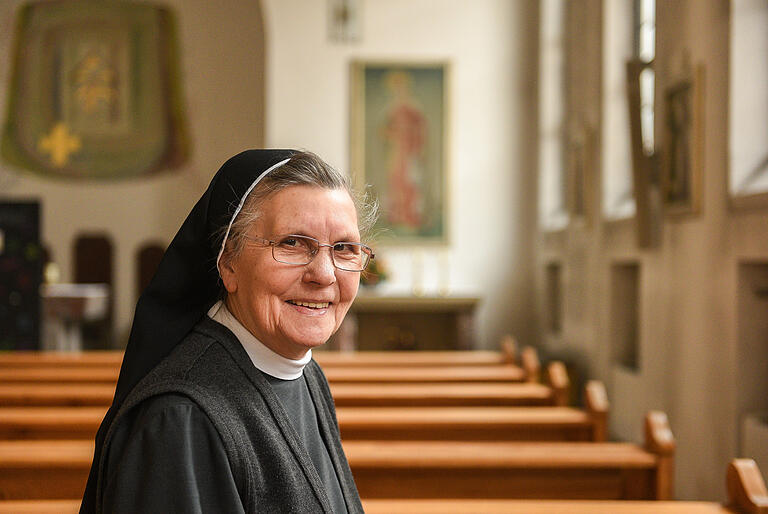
(205, 432)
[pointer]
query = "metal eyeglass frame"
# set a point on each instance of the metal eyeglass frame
(269, 242)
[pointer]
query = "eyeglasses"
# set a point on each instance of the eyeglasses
(300, 250)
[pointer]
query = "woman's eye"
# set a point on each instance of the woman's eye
(346, 248)
(296, 243)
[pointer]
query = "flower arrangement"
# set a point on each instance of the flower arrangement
(374, 274)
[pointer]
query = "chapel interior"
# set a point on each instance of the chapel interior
(601, 185)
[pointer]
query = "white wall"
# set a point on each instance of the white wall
(308, 106)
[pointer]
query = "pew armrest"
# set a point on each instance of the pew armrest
(658, 435)
(508, 347)
(596, 402)
(746, 488)
(557, 376)
(531, 364)
(660, 441)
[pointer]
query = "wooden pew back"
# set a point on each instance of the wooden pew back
(371, 423)
(746, 494)
(339, 375)
(395, 469)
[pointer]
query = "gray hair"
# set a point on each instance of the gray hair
(303, 168)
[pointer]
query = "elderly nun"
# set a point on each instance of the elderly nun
(219, 406)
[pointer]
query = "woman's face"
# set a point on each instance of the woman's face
(263, 294)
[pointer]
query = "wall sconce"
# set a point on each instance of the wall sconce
(344, 19)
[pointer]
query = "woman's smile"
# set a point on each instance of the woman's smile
(310, 308)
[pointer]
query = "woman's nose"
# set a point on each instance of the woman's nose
(321, 270)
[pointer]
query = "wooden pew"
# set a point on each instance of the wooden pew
(456, 394)
(746, 487)
(52, 395)
(59, 375)
(359, 423)
(345, 395)
(424, 374)
(356, 423)
(496, 506)
(479, 423)
(394, 359)
(55, 470)
(329, 359)
(506, 356)
(45, 469)
(39, 506)
(746, 495)
(340, 375)
(28, 423)
(489, 506)
(549, 470)
(324, 358)
(369, 423)
(348, 374)
(97, 358)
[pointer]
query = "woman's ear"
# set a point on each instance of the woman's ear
(228, 275)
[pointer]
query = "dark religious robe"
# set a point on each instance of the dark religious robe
(205, 431)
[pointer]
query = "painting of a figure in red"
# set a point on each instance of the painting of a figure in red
(398, 147)
(405, 134)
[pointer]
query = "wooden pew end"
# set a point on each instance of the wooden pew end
(746, 488)
(658, 435)
(659, 440)
(596, 402)
(531, 364)
(508, 346)
(558, 379)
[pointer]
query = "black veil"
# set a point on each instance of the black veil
(185, 285)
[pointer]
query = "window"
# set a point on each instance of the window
(553, 214)
(645, 50)
(749, 98)
(629, 32)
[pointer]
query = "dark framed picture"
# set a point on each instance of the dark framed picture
(21, 271)
(682, 157)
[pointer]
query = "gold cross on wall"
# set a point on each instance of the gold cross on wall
(60, 143)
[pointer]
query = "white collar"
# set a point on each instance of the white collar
(262, 357)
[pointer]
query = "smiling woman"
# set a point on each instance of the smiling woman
(293, 307)
(219, 406)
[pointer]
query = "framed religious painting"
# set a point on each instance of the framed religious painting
(398, 141)
(683, 150)
(95, 91)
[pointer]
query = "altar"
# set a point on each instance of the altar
(405, 322)
(65, 308)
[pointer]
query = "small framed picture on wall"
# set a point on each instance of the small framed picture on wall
(683, 150)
